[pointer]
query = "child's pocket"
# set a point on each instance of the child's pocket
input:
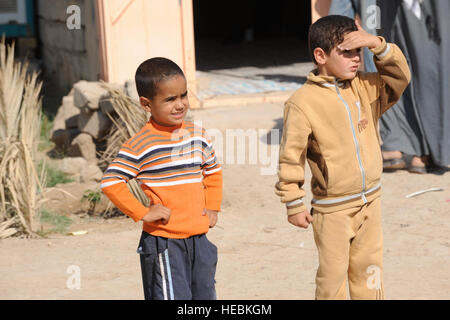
(147, 244)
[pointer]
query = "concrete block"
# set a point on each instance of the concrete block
(59, 123)
(95, 123)
(87, 94)
(80, 169)
(73, 165)
(91, 173)
(71, 112)
(83, 146)
(66, 116)
(130, 89)
(63, 138)
(106, 103)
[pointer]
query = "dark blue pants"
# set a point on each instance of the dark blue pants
(178, 269)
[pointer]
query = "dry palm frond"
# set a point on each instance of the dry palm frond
(131, 118)
(20, 117)
(5, 230)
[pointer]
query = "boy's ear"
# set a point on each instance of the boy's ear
(145, 103)
(320, 56)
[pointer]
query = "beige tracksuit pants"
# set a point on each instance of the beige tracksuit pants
(350, 244)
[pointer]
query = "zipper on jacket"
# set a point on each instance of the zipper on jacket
(355, 140)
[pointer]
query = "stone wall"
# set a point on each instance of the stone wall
(82, 120)
(81, 126)
(68, 55)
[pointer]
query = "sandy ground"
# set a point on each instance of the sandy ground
(261, 256)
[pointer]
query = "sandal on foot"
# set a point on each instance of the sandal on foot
(417, 169)
(413, 169)
(394, 164)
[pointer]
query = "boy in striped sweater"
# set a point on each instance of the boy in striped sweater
(176, 167)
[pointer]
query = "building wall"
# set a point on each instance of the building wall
(135, 30)
(117, 35)
(68, 55)
(114, 38)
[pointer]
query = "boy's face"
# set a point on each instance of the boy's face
(170, 104)
(342, 64)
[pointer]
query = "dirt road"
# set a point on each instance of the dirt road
(261, 256)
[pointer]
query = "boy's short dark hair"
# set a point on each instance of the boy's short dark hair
(329, 31)
(151, 72)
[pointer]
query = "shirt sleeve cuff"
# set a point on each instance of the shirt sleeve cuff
(213, 203)
(139, 214)
(382, 50)
(295, 206)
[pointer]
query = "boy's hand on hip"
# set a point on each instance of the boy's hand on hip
(157, 212)
(359, 39)
(212, 214)
(302, 219)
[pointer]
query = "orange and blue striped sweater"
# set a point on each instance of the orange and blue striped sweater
(176, 167)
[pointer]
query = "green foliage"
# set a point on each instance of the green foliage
(46, 128)
(60, 222)
(93, 197)
(54, 176)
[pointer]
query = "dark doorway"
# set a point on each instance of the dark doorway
(257, 33)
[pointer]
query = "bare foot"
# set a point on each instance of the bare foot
(391, 155)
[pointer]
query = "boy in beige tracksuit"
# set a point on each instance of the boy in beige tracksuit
(331, 121)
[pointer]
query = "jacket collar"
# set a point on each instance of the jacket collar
(326, 81)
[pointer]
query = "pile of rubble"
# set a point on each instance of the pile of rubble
(82, 122)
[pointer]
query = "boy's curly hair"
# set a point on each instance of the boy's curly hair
(329, 31)
(151, 72)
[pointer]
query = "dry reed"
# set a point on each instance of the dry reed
(129, 120)
(21, 186)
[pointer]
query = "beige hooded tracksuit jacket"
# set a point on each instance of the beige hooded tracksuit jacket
(333, 125)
